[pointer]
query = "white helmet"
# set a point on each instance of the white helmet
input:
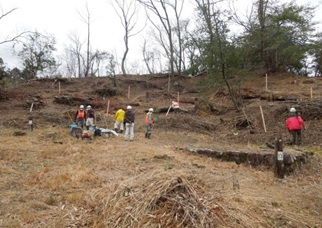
(81, 107)
(292, 110)
(150, 109)
(128, 107)
(89, 107)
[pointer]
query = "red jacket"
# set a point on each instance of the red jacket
(294, 123)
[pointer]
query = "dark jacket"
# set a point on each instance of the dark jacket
(90, 113)
(129, 117)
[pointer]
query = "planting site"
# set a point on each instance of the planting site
(209, 165)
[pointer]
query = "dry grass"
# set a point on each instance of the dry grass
(49, 179)
(146, 183)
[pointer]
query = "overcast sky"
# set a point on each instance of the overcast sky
(61, 17)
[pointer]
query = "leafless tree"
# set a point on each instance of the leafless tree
(127, 11)
(160, 9)
(86, 18)
(148, 57)
(163, 9)
(13, 38)
(178, 49)
(74, 55)
(96, 59)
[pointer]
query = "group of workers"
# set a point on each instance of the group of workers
(83, 117)
(123, 120)
(126, 119)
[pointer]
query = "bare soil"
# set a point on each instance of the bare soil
(50, 179)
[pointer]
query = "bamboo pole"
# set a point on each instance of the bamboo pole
(262, 114)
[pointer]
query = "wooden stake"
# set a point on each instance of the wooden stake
(129, 93)
(262, 114)
(279, 158)
(108, 107)
(30, 123)
(168, 110)
(32, 105)
(266, 81)
(311, 92)
(178, 98)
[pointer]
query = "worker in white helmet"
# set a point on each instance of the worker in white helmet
(294, 124)
(175, 106)
(129, 119)
(80, 116)
(90, 115)
(149, 121)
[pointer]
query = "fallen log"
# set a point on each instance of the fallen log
(71, 100)
(165, 110)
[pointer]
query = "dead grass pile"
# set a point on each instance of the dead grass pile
(158, 201)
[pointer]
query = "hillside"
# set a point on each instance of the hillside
(50, 179)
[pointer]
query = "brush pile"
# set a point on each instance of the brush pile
(162, 202)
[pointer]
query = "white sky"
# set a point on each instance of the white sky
(60, 18)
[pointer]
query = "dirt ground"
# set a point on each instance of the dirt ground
(50, 179)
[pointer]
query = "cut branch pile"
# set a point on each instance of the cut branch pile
(159, 201)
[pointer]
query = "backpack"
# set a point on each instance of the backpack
(97, 132)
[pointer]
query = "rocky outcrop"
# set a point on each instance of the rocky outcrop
(292, 161)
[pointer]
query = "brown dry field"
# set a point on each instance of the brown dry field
(50, 179)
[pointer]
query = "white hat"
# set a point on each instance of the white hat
(128, 107)
(292, 110)
(89, 107)
(81, 107)
(150, 109)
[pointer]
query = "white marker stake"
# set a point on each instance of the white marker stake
(168, 111)
(32, 105)
(264, 125)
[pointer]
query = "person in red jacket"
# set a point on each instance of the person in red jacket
(294, 124)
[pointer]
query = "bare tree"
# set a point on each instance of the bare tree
(13, 38)
(127, 11)
(96, 59)
(163, 9)
(86, 18)
(160, 9)
(148, 58)
(178, 31)
(74, 56)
